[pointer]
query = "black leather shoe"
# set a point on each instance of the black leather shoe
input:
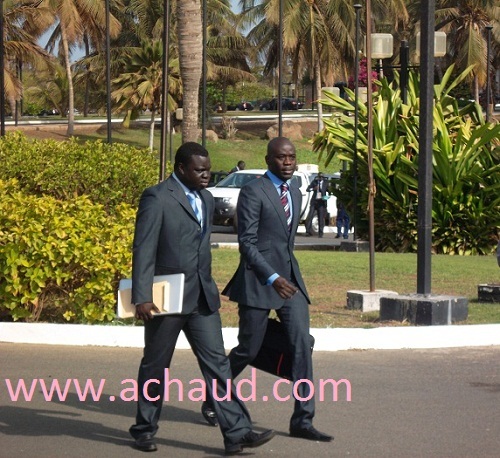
(250, 440)
(209, 413)
(145, 443)
(311, 434)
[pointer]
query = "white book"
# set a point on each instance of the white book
(168, 293)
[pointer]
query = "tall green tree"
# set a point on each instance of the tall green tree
(23, 22)
(140, 86)
(465, 24)
(189, 35)
(74, 19)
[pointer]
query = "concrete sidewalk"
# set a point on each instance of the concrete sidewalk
(331, 339)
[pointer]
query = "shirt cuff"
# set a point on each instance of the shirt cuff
(271, 279)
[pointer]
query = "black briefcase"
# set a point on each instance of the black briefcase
(274, 355)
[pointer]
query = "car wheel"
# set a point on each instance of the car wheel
(235, 224)
(314, 225)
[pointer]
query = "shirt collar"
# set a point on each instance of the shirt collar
(276, 181)
(183, 186)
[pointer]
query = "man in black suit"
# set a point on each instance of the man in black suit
(172, 235)
(319, 186)
(268, 276)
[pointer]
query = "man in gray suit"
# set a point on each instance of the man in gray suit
(172, 235)
(268, 276)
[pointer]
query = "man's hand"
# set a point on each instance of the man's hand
(143, 311)
(284, 288)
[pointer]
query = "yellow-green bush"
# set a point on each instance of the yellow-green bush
(61, 260)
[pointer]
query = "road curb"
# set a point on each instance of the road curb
(327, 339)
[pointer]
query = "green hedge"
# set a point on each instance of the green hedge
(61, 260)
(108, 174)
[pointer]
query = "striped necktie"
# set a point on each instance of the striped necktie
(286, 204)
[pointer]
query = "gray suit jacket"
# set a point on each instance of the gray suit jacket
(168, 239)
(266, 245)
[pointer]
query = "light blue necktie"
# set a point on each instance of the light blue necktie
(192, 200)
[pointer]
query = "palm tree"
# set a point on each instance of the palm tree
(50, 87)
(318, 36)
(465, 23)
(140, 86)
(74, 19)
(189, 35)
(22, 24)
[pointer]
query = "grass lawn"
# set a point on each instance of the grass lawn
(330, 274)
(224, 154)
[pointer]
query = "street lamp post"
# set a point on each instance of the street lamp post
(2, 83)
(280, 68)
(165, 113)
(488, 83)
(404, 60)
(382, 46)
(108, 74)
(357, 8)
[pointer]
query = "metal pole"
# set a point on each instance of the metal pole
(488, 83)
(280, 71)
(404, 59)
(357, 8)
(108, 75)
(371, 182)
(204, 77)
(2, 83)
(424, 216)
(165, 113)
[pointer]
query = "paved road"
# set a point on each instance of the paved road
(224, 235)
(404, 403)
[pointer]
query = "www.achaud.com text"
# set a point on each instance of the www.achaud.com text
(325, 390)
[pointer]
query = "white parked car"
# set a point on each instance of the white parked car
(227, 190)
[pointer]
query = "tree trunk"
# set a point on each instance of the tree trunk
(87, 78)
(317, 81)
(71, 92)
(189, 32)
(152, 129)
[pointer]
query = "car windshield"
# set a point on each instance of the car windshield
(237, 180)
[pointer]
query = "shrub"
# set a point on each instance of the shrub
(108, 174)
(61, 260)
(466, 172)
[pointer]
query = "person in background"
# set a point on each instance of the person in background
(343, 221)
(172, 235)
(319, 187)
(239, 166)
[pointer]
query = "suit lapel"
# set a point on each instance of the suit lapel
(207, 211)
(296, 204)
(272, 194)
(178, 194)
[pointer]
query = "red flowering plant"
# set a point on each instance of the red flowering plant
(363, 76)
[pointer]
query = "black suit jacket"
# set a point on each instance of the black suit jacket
(323, 188)
(169, 239)
(266, 245)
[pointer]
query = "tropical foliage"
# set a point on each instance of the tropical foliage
(318, 44)
(466, 167)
